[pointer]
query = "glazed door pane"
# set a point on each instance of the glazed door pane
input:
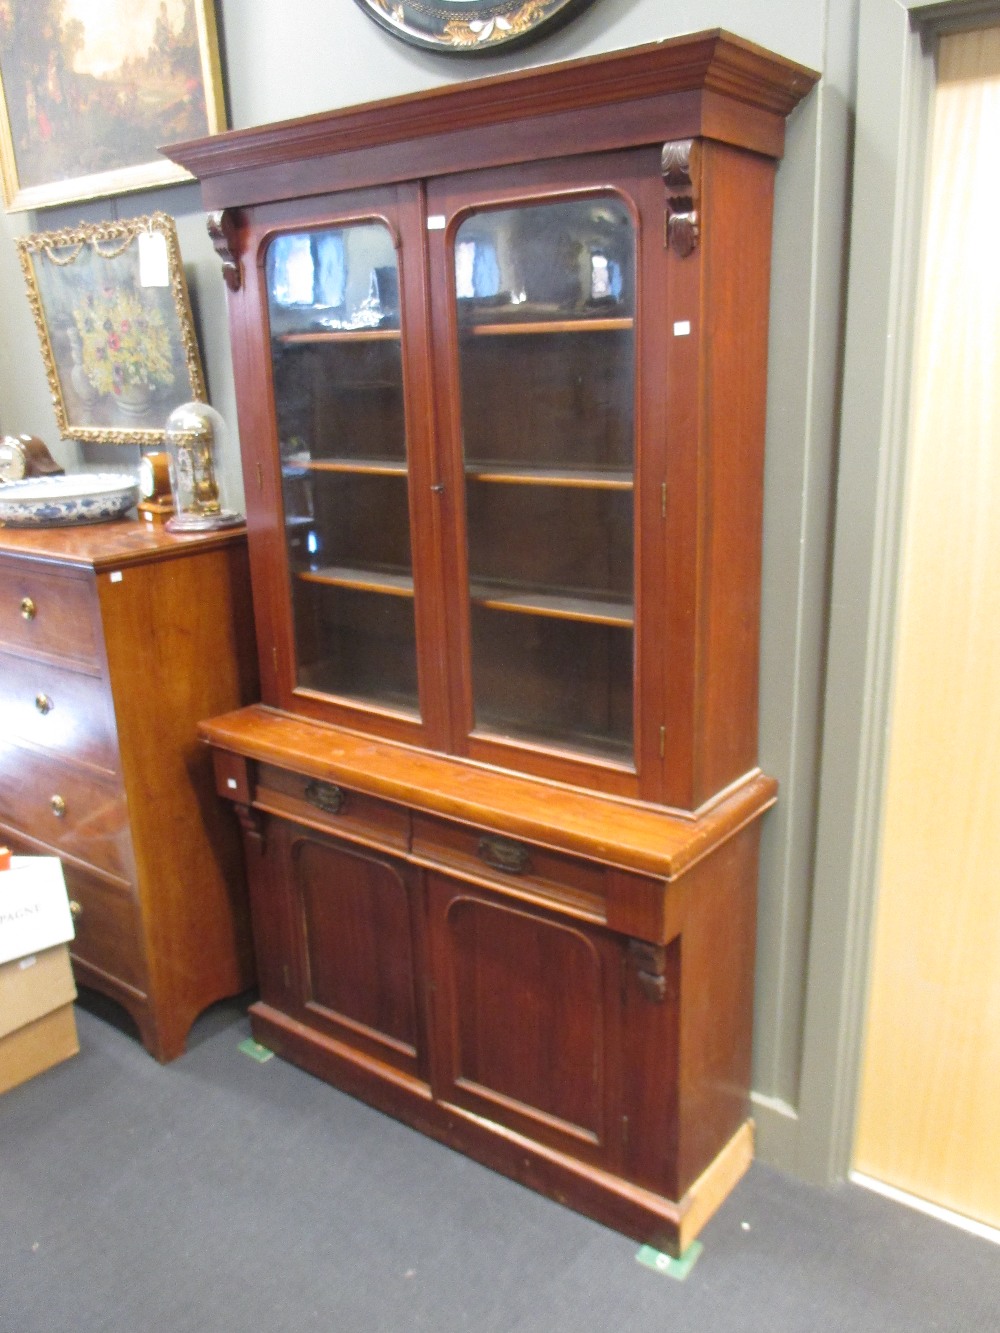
(545, 295)
(333, 298)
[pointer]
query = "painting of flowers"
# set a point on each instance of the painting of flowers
(114, 320)
(92, 88)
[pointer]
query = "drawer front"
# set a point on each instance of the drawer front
(74, 813)
(108, 935)
(521, 868)
(66, 712)
(49, 614)
(329, 806)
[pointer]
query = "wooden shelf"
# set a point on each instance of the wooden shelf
(372, 467)
(488, 330)
(607, 610)
(518, 475)
(394, 583)
(337, 336)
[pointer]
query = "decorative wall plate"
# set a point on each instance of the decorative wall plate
(469, 27)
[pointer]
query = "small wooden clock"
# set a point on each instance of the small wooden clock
(23, 456)
(157, 502)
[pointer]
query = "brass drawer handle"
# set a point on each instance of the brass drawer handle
(502, 854)
(43, 703)
(28, 609)
(58, 806)
(75, 909)
(325, 796)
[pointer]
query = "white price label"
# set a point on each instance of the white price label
(154, 269)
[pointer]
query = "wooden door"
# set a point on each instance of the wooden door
(352, 933)
(931, 1076)
(526, 1019)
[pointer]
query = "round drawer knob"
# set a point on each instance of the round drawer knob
(28, 609)
(75, 909)
(58, 806)
(43, 703)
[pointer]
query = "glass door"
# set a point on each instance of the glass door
(333, 298)
(545, 295)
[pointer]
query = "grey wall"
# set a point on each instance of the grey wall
(302, 56)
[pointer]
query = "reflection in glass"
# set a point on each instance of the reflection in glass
(547, 376)
(333, 299)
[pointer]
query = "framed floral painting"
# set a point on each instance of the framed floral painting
(89, 90)
(113, 316)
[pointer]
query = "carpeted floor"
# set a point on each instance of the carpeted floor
(220, 1194)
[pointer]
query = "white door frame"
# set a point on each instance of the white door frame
(897, 42)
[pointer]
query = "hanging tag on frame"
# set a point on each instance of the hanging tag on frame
(154, 268)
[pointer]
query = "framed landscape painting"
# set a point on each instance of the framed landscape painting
(90, 89)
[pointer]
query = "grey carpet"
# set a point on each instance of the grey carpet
(220, 1194)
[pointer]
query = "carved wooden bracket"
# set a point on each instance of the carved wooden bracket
(250, 822)
(650, 963)
(681, 167)
(221, 228)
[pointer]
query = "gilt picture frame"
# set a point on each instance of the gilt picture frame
(90, 89)
(113, 316)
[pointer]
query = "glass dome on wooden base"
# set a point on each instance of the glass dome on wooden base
(194, 436)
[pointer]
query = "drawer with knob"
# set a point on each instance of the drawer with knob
(523, 869)
(48, 615)
(107, 928)
(72, 812)
(66, 712)
(329, 806)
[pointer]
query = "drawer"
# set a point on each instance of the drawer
(73, 812)
(108, 934)
(328, 806)
(522, 868)
(48, 614)
(66, 712)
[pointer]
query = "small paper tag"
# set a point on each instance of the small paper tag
(154, 270)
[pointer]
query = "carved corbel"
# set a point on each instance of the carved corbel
(222, 230)
(250, 822)
(650, 964)
(681, 168)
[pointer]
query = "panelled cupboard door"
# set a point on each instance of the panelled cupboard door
(526, 1014)
(542, 1025)
(353, 932)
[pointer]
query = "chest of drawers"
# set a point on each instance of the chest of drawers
(114, 641)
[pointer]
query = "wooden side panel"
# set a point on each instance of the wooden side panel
(738, 189)
(179, 641)
(717, 903)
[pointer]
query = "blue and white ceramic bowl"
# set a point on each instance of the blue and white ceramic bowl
(77, 497)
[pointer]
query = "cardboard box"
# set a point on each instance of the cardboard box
(37, 1022)
(34, 908)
